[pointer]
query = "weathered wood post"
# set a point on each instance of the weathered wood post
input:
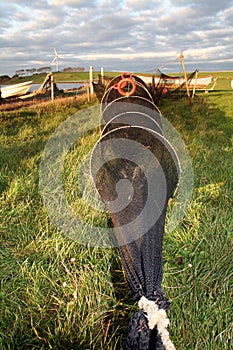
(102, 75)
(185, 77)
(195, 83)
(88, 94)
(91, 80)
(52, 87)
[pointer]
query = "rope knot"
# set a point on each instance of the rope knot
(157, 318)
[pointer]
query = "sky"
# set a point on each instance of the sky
(120, 35)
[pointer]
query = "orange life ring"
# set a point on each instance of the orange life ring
(123, 83)
(124, 75)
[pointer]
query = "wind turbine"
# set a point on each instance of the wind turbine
(56, 56)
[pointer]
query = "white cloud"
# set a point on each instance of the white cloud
(141, 5)
(135, 34)
(128, 56)
(73, 3)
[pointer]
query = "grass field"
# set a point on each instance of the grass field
(61, 77)
(58, 294)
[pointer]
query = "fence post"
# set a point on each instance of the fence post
(91, 80)
(102, 75)
(52, 88)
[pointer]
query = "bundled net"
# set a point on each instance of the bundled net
(106, 92)
(136, 170)
(173, 86)
(161, 86)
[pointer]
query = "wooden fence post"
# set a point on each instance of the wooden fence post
(52, 88)
(185, 77)
(195, 84)
(91, 80)
(102, 75)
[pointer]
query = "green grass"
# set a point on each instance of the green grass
(223, 83)
(60, 77)
(201, 308)
(58, 294)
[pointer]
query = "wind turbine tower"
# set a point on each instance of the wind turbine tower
(56, 56)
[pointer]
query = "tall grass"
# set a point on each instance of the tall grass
(201, 294)
(58, 294)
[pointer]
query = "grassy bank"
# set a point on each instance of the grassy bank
(60, 77)
(58, 294)
(224, 78)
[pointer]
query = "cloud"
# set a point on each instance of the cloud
(142, 5)
(135, 34)
(73, 3)
(227, 16)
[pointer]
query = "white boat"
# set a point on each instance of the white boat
(175, 82)
(15, 90)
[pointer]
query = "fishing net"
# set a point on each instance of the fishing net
(173, 86)
(159, 86)
(137, 104)
(106, 90)
(132, 118)
(136, 170)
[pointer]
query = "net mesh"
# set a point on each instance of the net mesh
(136, 170)
(172, 86)
(161, 86)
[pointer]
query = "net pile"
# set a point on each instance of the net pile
(173, 86)
(136, 170)
(159, 86)
(150, 91)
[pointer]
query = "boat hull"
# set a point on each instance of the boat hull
(174, 83)
(15, 90)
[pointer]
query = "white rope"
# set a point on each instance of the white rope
(157, 318)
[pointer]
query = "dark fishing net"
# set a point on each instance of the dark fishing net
(133, 118)
(111, 94)
(170, 86)
(136, 170)
(167, 86)
(137, 104)
(143, 161)
(99, 90)
(118, 78)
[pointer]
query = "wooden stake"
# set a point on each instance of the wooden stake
(185, 77)
(91, 80)
(195, 84)
(102, 75)
(88, 94)
(52, 88)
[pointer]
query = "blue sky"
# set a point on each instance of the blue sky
(129, 35)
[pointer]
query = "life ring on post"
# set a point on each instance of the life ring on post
(124, 83)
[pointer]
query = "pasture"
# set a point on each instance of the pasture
(59, 294)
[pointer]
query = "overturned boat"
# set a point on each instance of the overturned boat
(15, 90)
(174, 82)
